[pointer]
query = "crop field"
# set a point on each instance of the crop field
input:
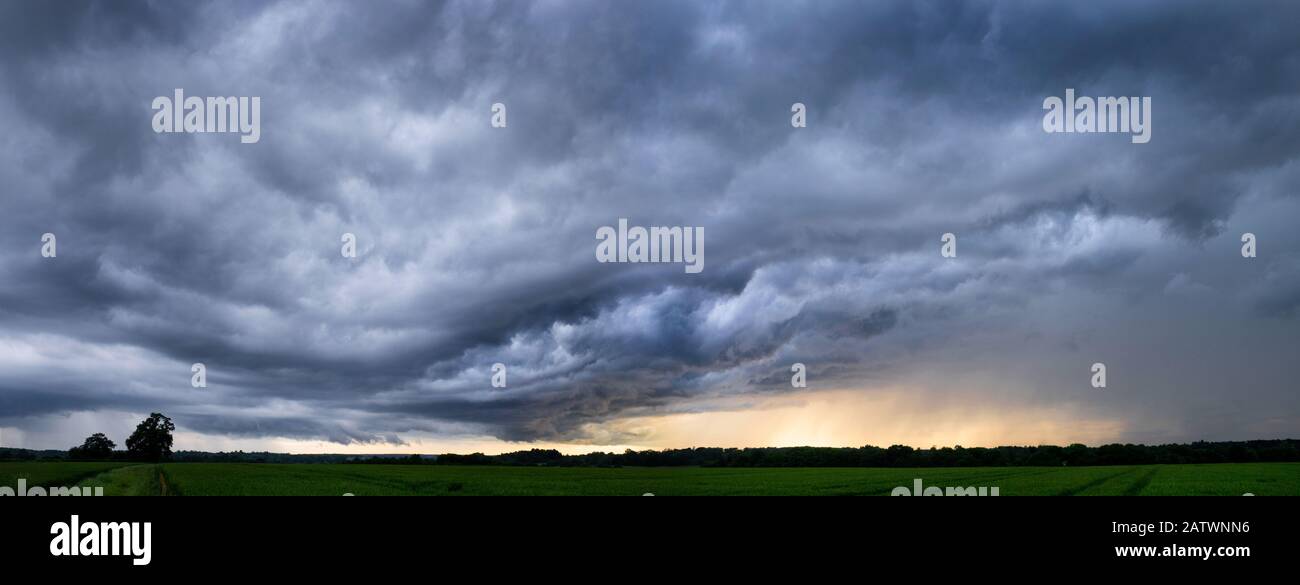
(55, 473)
(196, 479)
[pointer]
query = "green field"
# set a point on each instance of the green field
(192, 479)
(45, 474)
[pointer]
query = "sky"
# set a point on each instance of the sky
(476, 244)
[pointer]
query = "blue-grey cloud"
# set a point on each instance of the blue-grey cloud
(476, 244)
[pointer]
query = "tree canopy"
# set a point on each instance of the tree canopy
(96, 446)
(152, 439)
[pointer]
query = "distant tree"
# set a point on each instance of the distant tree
(1272, 450)
(1077, 454)
(1047, 456)
(152, 439)
(96, 446)
(900, 456)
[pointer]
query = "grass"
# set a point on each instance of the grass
(249, 479)
(52, 473)
(333, 480)
(132, 480)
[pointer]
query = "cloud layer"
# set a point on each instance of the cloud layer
(476, 243)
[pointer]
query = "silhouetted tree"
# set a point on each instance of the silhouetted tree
(152, 439)
(96, 446)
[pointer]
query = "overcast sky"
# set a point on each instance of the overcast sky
(476, 244)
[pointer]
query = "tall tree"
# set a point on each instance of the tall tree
(152, 439)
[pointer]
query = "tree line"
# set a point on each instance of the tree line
(152, 441)
(1280, 450)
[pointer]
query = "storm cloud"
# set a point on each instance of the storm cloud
(476, 244)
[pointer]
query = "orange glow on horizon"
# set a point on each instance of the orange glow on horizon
(839, 418)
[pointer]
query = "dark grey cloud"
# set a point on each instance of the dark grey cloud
(476, 244)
